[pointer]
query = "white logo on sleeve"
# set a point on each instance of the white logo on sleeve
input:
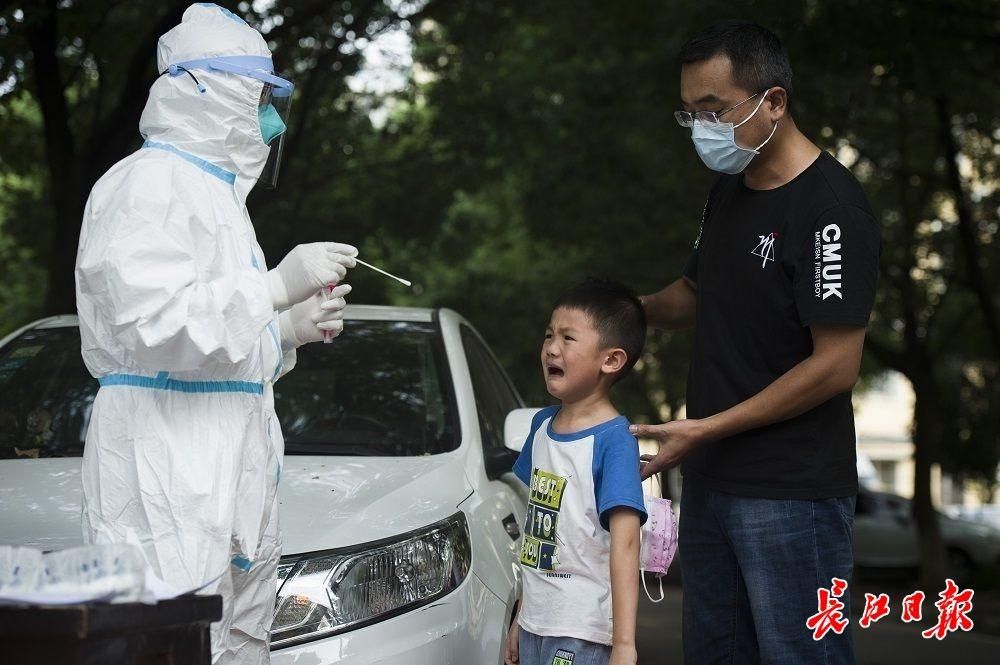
(829, 263)
(701, 226)
(765, 248)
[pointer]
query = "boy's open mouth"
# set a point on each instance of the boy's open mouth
(554, 372)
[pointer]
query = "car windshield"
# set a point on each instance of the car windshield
(382, 388)
(45, 395)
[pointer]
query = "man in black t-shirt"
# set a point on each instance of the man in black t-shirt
(779, 289)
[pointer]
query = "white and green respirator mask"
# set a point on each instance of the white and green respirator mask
(273, 106)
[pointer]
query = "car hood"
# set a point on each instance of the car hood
(40, 503)
(329, 502)
(325, 501)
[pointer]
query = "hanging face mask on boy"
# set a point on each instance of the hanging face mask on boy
(658, 542)
(716, 144)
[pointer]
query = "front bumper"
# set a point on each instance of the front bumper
(466, 626)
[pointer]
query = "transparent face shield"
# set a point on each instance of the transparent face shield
(273, 112)
(273, 106)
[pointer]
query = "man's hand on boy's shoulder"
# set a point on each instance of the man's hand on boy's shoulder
(676, 439)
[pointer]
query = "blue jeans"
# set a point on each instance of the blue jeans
(537, 650)
(751, 570)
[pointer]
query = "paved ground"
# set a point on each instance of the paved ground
(888, 642)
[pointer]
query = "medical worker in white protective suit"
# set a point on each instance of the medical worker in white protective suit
(178, 318)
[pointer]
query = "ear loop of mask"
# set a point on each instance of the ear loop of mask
(663, 595)
(744, 121)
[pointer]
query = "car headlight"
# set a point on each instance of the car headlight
(330, 592)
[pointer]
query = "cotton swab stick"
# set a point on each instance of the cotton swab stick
(404, 282)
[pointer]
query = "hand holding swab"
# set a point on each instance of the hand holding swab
(328, 337)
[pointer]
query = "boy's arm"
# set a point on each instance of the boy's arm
(624, 527)
(511, 650)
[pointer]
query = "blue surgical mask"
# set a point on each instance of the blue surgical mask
(716, 144)
(271, 124)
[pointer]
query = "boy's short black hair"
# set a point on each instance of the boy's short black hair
(617, 315)
(757, 55)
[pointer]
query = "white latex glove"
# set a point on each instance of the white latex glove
(310, 319)
(307, 269)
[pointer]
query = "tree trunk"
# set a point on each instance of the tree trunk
(60, 296)
(75, 163)
(927, 431)
(979, 283)
(60, 153)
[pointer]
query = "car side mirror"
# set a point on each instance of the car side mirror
(516, 428)
(499, 461)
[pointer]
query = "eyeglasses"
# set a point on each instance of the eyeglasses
(687, 118)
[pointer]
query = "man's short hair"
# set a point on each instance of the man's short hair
(616, 313)
(757, 55)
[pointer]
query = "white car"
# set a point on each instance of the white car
(988, 514)
(885, 536)
(399, 513)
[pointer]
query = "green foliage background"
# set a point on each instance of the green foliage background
(533, 145)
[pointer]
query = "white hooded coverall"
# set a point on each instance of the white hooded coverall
(183, 452)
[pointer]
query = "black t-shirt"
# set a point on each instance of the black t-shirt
(768, 264)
